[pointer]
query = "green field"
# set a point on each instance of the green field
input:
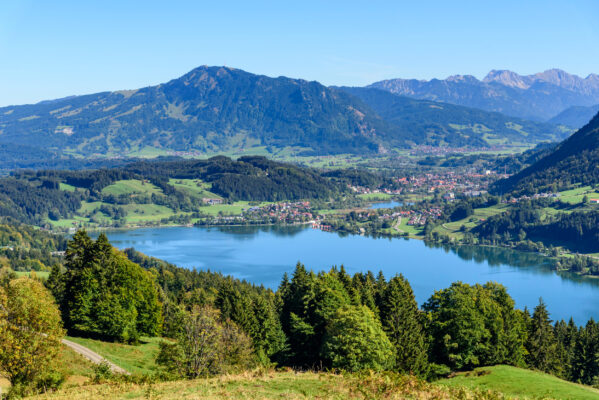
(137, 213)
(413, 230)
(136, 359)
(194, 187)
(131, 187)
(576, 196)
(522, 383)
(31, 274)
(375, 196)
(66, 187)
(453, 228)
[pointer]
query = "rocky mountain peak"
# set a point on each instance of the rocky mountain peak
(507, 78)
(462, 79)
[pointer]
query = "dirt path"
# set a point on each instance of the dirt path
(397, 224)
(93, 356)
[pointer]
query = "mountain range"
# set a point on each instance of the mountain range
(537, 97)
(221, 109)
(444, 124)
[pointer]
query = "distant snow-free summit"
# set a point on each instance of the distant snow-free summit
(539, 97)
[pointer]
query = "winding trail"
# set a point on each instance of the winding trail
(93, 356)
(397, 224)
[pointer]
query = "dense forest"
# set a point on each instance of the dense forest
(577, 230)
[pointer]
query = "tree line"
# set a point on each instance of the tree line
(325, 320)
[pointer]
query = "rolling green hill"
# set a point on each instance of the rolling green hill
(521, 383)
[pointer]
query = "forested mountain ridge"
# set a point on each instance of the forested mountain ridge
(218, 109)
(537, 97)
(575, 116)
(449, 124)
(574, 161)
(209, 109)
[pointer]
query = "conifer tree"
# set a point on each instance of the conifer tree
(401, 321)
(542, 344)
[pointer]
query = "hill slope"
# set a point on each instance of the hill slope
(537, 97)
(521, 383)
(518, 383)
(448, 124)
(574, 161)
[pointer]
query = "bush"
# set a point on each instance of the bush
(355, 341)
(205, 346)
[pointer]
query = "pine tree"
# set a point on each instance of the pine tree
(585, 359)
(542, 344)
(401, 321)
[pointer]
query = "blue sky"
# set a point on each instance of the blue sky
(51, 49)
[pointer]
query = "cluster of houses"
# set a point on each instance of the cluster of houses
(420, 217)
(535, 196)
(471, 184)
(283, 212)
(365, 190)
(212, 202)
(443, 151)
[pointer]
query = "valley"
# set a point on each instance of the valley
(301, 200)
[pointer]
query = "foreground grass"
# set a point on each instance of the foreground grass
(522, 383)
(136, 359)
(278, 385)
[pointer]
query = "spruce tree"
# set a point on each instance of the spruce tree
(542, 344)
(401, 321)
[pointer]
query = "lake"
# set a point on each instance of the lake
(386, 204)
(262, 254)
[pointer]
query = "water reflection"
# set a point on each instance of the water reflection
(261, 254)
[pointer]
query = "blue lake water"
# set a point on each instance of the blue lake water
(387, 204)
(262, 254)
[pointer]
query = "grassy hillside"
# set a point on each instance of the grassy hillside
(136, 359)
(498, 382)
(522, 383)
(275, 385)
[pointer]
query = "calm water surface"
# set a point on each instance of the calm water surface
(262, 254)
(387, 204)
